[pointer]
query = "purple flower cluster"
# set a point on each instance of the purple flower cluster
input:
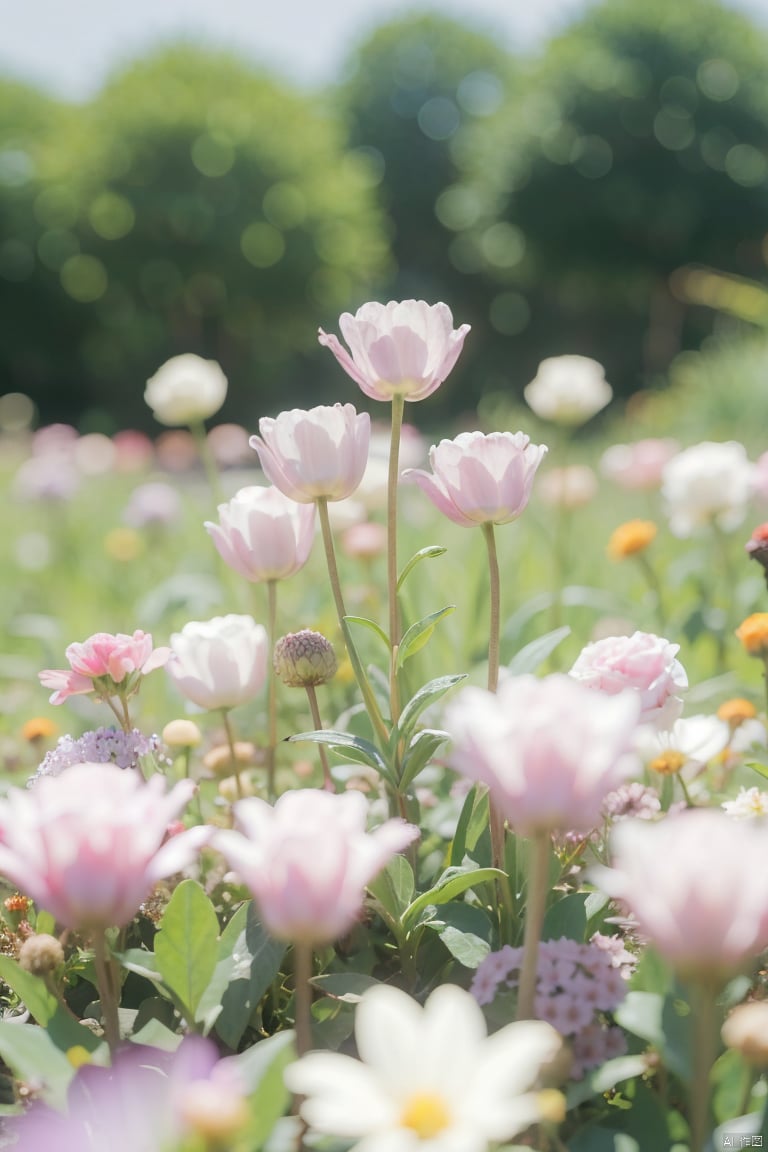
(576, 986)
(632, 800)
(101, 746)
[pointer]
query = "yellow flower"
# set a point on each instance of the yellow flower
(734, 712)
(123, 544)
(630, 538)
(753, 633)
(38, 728)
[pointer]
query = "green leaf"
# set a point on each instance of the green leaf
(452, 883)
(393, 888)
(420, 751)
(186, 945)
(428, 553)
(419, 633)
(567, 917)
(757, 766)
(345, 986)
(372, 626)
(604, 1078)
(64, 1031)
(141, 962)
(353, 747)
(533, 655)
(465, 931)
(261, 1067)
(425, 696)
(33, 1056)
(252, 959)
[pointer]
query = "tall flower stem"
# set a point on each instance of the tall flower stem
(704, 1017)
(654, 584)
(371, 705)
(232, 751)
(494, 637)
(107, 997)
(393, 478)
(318, 723)
(271, 689)
(536, 902)
(209, 464)
(302, 974)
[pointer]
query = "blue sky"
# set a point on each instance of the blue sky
(69, 47)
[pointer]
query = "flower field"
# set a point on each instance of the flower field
(370, 787)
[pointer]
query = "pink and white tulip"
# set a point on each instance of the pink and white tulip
(639, 465)
(480, 479)
(263, 534)
(697, 885)
(404, 348)
(116, 661)
(316, 454)
(549, 750)
(88, 846)
(643, 664)
(308, 859)
(219, 663)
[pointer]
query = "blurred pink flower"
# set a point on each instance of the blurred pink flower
(405, 347)
(145, 1102)
(308, 859)
(642, 663)
(320, 453)
(262, 534)
(639, 465)
(549, 750)
(219, 663)
(569, 487)
(480, 479)
(153, 504)
(697, 884)
(88, 845)
(118, 661)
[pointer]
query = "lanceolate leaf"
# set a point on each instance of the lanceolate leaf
(452, 883)
(425, 696)
(419, 633)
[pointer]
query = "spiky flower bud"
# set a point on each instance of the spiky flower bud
(41, 954)
(304, 659)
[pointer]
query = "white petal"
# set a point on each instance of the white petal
(344, 1097)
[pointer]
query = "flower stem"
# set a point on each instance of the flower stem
(209, 464)
(704, 1016)
(538, 878)
(655, 585)
(398, 406)
(302, 974)
(330, 558)
(232, 751)
(106, 985)
(494, 637)
(328, 783)
(271, 690)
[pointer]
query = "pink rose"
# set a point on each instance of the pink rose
(642, 663)
(119, 661)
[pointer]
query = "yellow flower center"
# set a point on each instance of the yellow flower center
(426, 1114)
(668, 763)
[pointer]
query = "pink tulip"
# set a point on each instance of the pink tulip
(219, 663)
(88, 846)
(406, 348)
(478, 479)
(308, 859)
(117, 661)
(263, 535)
(697, 884)
(641, 663)
(639, 465)
(549, 750)
(319, 454)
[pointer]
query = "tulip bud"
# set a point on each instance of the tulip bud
(304, 659)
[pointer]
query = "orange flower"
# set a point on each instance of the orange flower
(632, 537)
(753, 633)
(39, 728)
(736, 711)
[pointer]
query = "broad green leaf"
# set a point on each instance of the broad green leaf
(459, 843)
(640, 1013)
(420, 751)
(355, 748)
(186, 945)
(604, 1078)
(464, 930)
(64, 1030)
(345, 986)
(261, 1068)
(566, 917)
(452, 883)
(155, 1034)
(372, 626)
(757, 766)
(428, 553)
(425, 696)
(533, 655)
(255, 961)
(393, 888)
(419, 633)
(141, 962)
(33, 1056)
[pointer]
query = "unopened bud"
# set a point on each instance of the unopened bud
(182, 734)
(41, 954)
(304, 659)
(746, 1030)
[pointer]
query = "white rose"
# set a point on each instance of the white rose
(186, 389)
(708, 483)
(568, 389)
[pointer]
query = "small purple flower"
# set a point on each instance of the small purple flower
(101, 746)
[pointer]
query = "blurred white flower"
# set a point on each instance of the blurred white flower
(569, 487)
(568, 389)
(186, 390)
(750, 802)
(710, 483)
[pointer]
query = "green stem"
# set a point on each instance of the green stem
(655, 585)
(494, 638)
(704, 1051)
(318, 723)
(393, 478)
(302, 974)
(209, 464)
(232, 751)
(535, 905)
(271, 690)
(106, 985)
(330, 558)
